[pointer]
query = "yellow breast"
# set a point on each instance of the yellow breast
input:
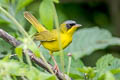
(54, 45)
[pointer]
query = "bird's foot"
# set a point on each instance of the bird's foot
(56, 68)
(39, 45)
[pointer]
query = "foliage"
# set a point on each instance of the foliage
(47, 20)
(106, 68)
(85, 42)
(11, 70)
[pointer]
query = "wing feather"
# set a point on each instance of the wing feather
(45, 36)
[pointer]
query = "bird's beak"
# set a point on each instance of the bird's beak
(77, 25)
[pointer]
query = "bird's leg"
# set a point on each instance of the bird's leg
(39, 45)
(56, 68)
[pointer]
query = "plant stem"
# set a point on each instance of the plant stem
(59, 38)
(69, 64)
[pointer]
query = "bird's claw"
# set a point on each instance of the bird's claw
(56, 68)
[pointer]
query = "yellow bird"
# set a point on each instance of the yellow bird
(49, 39)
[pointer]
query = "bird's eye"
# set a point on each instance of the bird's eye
(68, 26)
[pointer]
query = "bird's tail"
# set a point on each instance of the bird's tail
(34, 21)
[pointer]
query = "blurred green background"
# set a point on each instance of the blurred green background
(98, 36)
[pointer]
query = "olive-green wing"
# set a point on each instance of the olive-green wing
(45, 36)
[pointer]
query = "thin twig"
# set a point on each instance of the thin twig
(11, 40)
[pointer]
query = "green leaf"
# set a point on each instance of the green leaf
(56, 1)
(27, 45)
(90, 72)
(105, 64)
(109, 76)
(19, 53)
(76, 76)
(115, 71)
(20, 69)
(34, 49)
(4, 46)
(22, 4)
(88, 40)
(7, 57)
(85, 69)
(4, 19)
(46, 13)
(4, 3)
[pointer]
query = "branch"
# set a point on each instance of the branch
(11, 40)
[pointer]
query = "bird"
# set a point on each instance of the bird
(49, 38)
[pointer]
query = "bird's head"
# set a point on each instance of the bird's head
(69, 26)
